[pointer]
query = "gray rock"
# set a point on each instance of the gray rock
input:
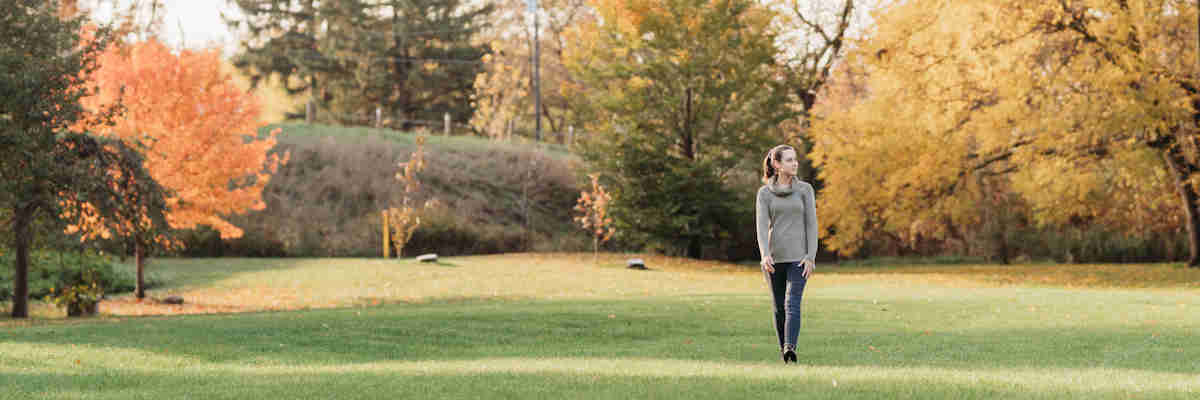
(427, 258)
(637, 263)
(173, 300)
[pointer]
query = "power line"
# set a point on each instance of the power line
(310, 57)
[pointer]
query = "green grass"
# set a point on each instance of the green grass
(557, 326)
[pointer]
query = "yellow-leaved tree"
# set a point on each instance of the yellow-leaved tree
(1078, 109)
(403, 220)
(504, 95)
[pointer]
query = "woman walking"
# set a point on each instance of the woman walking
(786, 218)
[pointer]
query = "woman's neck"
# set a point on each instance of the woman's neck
(784, 179)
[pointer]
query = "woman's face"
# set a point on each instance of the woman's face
(787, 164)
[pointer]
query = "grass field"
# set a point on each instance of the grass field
(558, 326)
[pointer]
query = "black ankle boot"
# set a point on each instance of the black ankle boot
(789, 353)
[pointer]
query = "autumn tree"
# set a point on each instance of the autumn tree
(198, 128)
(1074, 105)
(680, 98)
(415, 59)
(812, 36)
(48, 157)
(593, 207)
(503, 93)
(404, 219)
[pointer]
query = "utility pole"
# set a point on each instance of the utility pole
(537, 61)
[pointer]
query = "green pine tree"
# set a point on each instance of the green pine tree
(684, 99)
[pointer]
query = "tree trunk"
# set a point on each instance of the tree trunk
(1191, 203)
(140, 260)
(693, 249)
(22, 241)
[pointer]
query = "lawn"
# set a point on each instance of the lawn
(560, 326)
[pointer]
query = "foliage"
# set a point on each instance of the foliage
(503, 95)
(594, 207)
(59, 269)
(405, 219)
(680, 96)
(415, 59)
(198, 128)
(78, 299)
(276, 103)
(1073, 108)
(50, 163)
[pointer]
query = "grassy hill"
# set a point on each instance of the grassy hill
(491, 197)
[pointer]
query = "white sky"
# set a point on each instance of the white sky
(189, 23)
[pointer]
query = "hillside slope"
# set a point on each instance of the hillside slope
(492, 197)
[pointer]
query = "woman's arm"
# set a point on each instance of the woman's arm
(810, 223)
(762, 223)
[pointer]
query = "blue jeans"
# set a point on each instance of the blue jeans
(787, 290)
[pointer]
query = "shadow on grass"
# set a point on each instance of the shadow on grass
(732, 329)
(508, 384)
(170, 272)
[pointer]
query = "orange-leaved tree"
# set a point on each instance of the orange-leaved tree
(198, 129)
(595, 219)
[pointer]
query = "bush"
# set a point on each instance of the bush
(65, 269)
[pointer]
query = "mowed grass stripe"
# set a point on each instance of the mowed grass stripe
(691, 330)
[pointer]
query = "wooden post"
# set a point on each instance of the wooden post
(308, 112)
(378, 117)
(447, 119)
(571, 137)
(387, 237)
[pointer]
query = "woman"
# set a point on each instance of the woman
(786, 217)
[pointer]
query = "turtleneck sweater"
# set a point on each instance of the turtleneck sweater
(786, 218)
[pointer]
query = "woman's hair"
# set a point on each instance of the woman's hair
(776, 153)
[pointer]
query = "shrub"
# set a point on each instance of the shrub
(66, 269)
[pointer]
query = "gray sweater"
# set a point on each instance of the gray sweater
(786, 216)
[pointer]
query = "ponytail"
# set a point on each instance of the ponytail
(769, 167)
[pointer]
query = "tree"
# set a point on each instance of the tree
(594, 207)
(404, 220)
(1091, 99)
(503, 96)
(48, 159)
(413, 58)
(199, 131)
(681, 100)
(813, 36)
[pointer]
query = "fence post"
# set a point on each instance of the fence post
(378, 117)
(308, 112)
(571, 136)
(387, 239)
(447, 118)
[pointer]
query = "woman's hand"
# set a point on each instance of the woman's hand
(809, 266)
(768, 264)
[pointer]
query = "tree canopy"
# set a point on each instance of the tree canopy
(1079, 111)
(681, 99)
(416, 59)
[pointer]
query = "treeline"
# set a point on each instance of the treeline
(1039, 141)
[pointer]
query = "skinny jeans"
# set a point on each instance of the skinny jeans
(787, 290)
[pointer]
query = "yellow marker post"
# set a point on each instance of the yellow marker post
(387, 239)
